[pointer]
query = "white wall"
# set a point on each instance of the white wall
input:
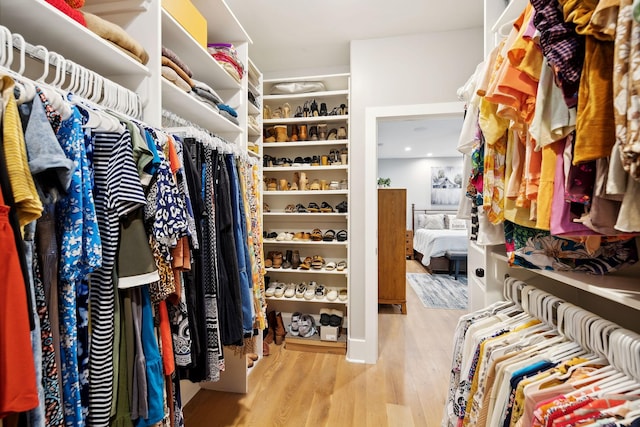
(416, 69)
(415, 176)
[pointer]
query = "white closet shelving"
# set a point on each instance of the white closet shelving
(277, 220)
(149, 24)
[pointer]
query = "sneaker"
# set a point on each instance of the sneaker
(311, 291)
(294, 325)
(279, 291)
(290, 290)
(301, 289)
(306, 326)
(321, 291)
(332, 295)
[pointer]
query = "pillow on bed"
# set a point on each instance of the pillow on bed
(431, 221)
(455, 223)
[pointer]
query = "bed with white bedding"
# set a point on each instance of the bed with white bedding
(435, 233)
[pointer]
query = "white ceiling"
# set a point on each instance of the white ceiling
(419, 137)
(290, 35)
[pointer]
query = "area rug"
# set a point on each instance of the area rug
(440, 290)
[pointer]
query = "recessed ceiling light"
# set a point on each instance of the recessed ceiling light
(429, 154)
(407, 148)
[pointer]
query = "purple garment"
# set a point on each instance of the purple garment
(562, 216)
(561, 45)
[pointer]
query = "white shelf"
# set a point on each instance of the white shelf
(59, 33)
(253, 110)
(315, 299)
(305, 193)
(310, 271)
(178, 101)
(252, 154)
(331, 81)
(307, 215)
(306, 143)
(309, 95)
(305, 242)
(305, 168)
(222, 24)
(622, 286)
(305, 120)
(201, 63)
(252, 132)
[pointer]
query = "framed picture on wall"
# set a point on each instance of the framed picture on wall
(446, 186)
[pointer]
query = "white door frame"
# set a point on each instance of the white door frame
(372, 114)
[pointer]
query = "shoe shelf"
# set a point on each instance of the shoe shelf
(305, 168)
(304, 193)
(325, 95)
(306, 216)
(310, 271)
(305, 120)
(322, 300)
(305, 242)
(306, 143)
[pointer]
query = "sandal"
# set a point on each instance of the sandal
(316, 235)
(326, 207)
(341, 265)
(290, 209)
(313, 207)
(329, 235)
(341, 236)
(315, 185)
(342, 207)
(300, 208)
(317, 262)
(332, 295)
(330, 266)
(306, 264)
(343, 295)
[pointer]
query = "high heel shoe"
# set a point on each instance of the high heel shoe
(286, 110)
(314, 109)
(333, 133)
(342, 133)
(343, 110)
(306, 112)
(313, 133)
(299, 112)
(323, 109)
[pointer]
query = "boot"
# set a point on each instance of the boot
(281, 133)
(322, 132)
(265, 348)
(271, 327)
(286, 263)
(302, 134)
(294, 133)
(295, 259)
(280, 332)
(269, 135)
(302, 182)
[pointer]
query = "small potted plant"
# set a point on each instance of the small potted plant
(384, 182)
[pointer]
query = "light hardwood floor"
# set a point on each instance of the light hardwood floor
(407, 387)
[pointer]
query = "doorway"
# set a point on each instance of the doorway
(374, 116)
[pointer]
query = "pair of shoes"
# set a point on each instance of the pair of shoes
(341, 236)
(329, 236)
(302, 325)
(331, 317)
(317, 262)
(316, 235)
(342, 207)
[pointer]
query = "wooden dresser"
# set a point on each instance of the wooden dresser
(392, 217)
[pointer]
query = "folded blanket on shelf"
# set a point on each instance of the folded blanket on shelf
(207, 101)
(207, 95)
(202, 87)
(114, 33)
(169, 63)
(229, 117)
(225, 107)
(176, 60)
(169, 74)
(63, 7)
(226, 55)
